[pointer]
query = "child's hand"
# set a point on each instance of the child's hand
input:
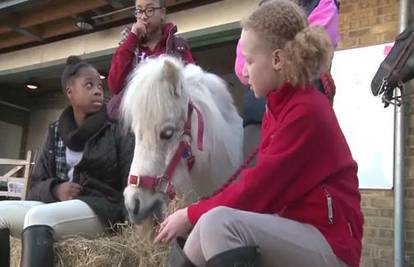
(66, 191)
(177, 224)
(139, 28)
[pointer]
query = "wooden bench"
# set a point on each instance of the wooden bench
(16, 186)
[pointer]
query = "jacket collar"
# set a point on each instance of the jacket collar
(76, 137)
(279, 97)
(168, 30)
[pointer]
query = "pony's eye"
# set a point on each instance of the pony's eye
(167, 133)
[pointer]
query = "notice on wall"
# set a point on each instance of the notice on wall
(367, 125)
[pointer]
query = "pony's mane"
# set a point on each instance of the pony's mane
(218, 101)
(148, 95)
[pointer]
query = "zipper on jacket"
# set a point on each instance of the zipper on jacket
(329, 202)
(350, 229)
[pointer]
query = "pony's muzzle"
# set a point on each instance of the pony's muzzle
(135, 210)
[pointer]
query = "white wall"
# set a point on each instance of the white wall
(367, 125)
(39, 122)
(10, 142)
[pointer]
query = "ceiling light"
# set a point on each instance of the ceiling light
(103, 77)
(32, 86)
(85, 24)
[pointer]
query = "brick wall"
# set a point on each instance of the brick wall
(378, 208)
(365, 23)
(368, 22)
(409, 181)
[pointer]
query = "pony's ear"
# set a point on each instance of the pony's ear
(171, 73)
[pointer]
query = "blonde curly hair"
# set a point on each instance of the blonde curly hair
(282, 25)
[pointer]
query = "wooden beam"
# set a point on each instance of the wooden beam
(14, 39)
(55, 12)
(13, 171)
(47, 31)
(115, 4)
(11, 3)
(10, 194)
(26, 181)
(4, 29)
(59, 28)
(13, 162)
(114, 15)
(57, 19)
(7, 22)
(10, 179)
(170, 3)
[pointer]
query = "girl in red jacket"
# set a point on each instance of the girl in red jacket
(300, 204)
(149, 36)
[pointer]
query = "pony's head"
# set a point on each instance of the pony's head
(396, 69)
(156, 106)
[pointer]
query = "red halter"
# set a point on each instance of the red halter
(163, 183)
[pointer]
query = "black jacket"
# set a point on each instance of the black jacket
(102, 171)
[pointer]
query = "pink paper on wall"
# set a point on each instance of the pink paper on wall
(387, 49)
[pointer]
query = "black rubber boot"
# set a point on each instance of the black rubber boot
(37, 246)
(4, 247)
(177, 257)
(238, 257)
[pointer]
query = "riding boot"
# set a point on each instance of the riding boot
(240, 257)
(37, 246)
(4, 247)
(177, 257)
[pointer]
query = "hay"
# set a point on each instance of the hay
(15, 252)
(130, 246)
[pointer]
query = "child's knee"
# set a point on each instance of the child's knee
(3, 223)
(37, 216)
(3, 214)
(218, 220)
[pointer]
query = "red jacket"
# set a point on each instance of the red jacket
(303, 163)
(130, 53)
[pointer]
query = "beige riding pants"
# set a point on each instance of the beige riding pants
(281, 242)
(66, 218)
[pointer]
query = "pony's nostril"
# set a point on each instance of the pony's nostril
(136, 208)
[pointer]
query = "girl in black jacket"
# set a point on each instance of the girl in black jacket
(77, 183)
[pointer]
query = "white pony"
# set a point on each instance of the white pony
(188, 135)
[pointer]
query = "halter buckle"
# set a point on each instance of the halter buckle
(134, 181)
(163, 184)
